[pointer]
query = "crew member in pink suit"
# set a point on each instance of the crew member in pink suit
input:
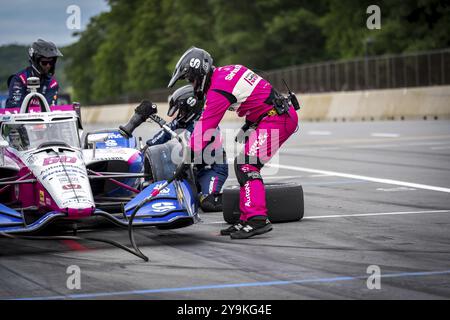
(273, 120)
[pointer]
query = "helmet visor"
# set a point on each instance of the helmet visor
(172, 109)
(175, 77)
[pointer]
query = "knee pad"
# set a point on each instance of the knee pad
(244, 173)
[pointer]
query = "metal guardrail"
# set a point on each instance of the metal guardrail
(372, 72)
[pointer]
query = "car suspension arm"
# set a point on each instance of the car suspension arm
(8, 184)
(120, 184)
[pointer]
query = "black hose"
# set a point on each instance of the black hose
(131, 233)
(138, 252)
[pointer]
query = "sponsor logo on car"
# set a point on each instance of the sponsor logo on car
(79, 200)
(162, 207)
(115, 135)
(65, 179)
(63, 172)
(108, 158)
(62, 159)
(34, 101)
(166, 190)
(111, 143)
(71, 186)
(41, 197)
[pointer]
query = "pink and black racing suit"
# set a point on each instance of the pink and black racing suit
(239, 89)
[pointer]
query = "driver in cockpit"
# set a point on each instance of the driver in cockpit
(15, 140)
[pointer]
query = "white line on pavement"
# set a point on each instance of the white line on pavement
(359, 177)
(360, 215)
(385, 135)
(440, 148)
(366, 146)
(319, 133)
(319, 175)
(425, 143)
(395, 189)
(376, 214)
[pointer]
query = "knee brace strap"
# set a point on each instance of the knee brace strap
(243, 176)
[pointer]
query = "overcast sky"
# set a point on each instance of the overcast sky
(24, 21)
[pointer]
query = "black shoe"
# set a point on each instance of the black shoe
(211, 202)
(255, 226)
(231, 229)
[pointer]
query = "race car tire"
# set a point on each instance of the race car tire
(158, 162)
(284, 202)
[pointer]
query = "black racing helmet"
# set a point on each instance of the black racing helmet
(187, 104)
(43, 49)
(196, 66)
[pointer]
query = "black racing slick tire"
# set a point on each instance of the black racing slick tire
(158, 163)
(284, 202)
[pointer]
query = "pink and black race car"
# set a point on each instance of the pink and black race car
(48, 173)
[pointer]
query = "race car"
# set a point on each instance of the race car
(50, 171)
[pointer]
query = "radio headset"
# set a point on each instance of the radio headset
(292, 97)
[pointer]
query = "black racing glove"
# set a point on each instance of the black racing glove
(142, 112)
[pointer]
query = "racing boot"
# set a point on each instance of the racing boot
(254, 226)
(234, 228)
(211, 202)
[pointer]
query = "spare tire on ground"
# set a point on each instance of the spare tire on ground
(284, 202)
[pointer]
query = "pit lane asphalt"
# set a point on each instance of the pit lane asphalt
(352, 221)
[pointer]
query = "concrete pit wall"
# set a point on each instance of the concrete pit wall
(390, 104)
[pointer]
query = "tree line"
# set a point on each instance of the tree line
(134, 47)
